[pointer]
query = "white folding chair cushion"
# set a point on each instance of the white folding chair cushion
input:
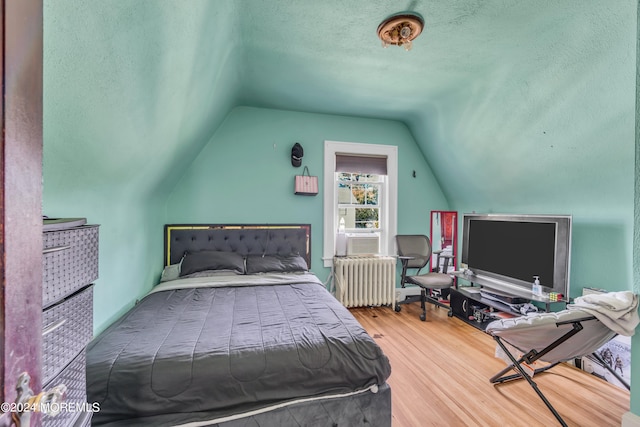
(538, 330)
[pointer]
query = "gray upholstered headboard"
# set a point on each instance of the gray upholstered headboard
(276, 239)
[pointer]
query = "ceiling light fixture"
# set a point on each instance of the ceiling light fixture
(400, 29)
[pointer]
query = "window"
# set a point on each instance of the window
(359, 200)
(360, 188)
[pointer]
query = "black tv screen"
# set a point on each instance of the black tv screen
(515, 248)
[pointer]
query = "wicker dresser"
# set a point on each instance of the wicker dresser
(70, 266)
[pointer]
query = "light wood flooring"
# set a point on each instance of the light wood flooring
(441, 370)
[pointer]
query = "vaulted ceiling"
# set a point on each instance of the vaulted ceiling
(516, 106)
(495, 92)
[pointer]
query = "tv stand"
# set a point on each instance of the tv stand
(469, 304)
(504, 287)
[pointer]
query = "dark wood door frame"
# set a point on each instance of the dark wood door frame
(20, 197)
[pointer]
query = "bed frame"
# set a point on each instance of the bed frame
(369, 407)
(245, 239)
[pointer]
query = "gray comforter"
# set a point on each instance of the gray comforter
(205, 348)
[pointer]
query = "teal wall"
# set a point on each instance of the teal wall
(127, 105)
(244, 174)
(556, 139)
(548, 127)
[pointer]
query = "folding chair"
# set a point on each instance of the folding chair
(549, 337)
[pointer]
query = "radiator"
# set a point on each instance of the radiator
(365, 281)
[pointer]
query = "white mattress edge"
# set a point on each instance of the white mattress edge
(373, 389)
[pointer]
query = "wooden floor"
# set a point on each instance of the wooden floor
(441, 370)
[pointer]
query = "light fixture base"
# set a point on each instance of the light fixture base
(400, 29)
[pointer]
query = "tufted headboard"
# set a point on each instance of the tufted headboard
(276, 239)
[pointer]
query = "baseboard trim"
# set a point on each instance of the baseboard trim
(630, 419)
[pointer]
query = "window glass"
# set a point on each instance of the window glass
(359, 200)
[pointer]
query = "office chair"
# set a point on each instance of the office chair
(579, 330)
(414, 251)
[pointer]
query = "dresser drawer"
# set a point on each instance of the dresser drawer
(70, 261)
(67, 328)
(74, 377)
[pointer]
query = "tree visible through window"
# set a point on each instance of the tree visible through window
(360, 188)
(359, 200)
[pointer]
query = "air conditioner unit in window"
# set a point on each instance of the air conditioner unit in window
(363, 244)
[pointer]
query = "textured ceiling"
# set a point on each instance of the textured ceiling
(510, 101)
(509, 88)
(326, 55)
(516, 105)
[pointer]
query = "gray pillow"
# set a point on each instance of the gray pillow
(209, 273)
(194, 262)
(273, 263)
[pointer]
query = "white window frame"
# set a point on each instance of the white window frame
(381, 185)
(389, 205)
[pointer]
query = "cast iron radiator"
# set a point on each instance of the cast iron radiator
(365, 281)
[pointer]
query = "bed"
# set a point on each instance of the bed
(238, 332)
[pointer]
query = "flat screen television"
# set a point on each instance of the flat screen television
(511, 249)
